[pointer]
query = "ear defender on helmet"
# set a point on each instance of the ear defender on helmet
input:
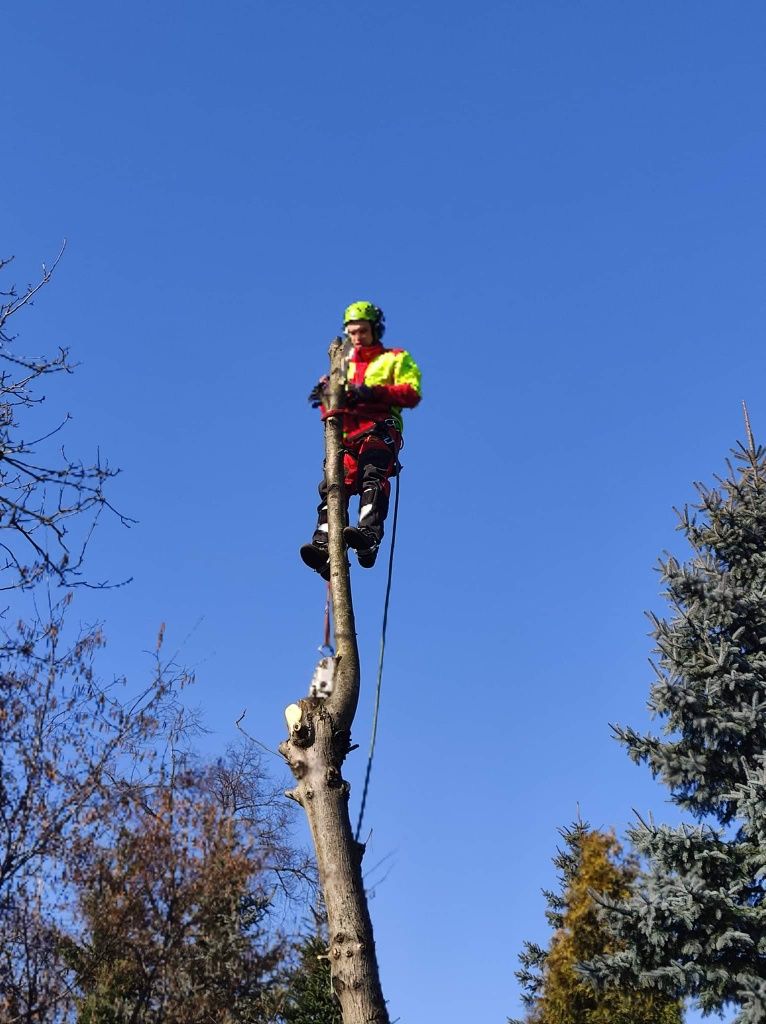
(367, 311)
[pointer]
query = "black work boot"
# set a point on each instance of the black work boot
(316, 555)
(367, 557)
(365, 542)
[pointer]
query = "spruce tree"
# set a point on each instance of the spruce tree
(554, 992)
(309, 998)
(698, 926)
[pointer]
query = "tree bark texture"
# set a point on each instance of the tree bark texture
(320, 737)
(345, 693)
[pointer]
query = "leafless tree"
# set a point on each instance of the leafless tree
(33, 986)
(71, 751)
(49, 502)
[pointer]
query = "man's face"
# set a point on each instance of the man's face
(360, 332)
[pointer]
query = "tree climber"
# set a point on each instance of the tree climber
(380, 382)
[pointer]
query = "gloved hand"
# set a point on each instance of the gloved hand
(356, 393)
(318, 392)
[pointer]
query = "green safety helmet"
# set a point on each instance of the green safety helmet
(367, 311)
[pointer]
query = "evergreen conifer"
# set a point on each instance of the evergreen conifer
(697, 927)
(553, 990)
(309, 996)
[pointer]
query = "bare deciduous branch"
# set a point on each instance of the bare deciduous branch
(49, 502)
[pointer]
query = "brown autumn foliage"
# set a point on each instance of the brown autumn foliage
(136, 884)
(63, 740)
(181, 909)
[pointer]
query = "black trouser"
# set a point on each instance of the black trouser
(367, 470)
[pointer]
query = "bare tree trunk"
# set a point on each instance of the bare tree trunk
(320, 736)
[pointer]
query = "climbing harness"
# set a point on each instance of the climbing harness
(379, 683)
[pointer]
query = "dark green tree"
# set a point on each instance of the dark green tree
(698, 926)
(554, 992)
(309, 998)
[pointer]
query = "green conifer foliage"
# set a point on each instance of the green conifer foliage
(554, 991)
(698, 927)
(309, 996)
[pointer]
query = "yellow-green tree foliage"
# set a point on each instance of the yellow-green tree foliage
(555, 993)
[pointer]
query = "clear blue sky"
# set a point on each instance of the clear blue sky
(561, 208)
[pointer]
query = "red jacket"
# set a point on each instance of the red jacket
(393, 375)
